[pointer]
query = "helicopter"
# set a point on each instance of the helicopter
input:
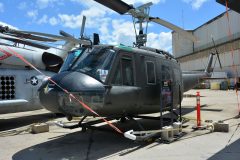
(120, 81)
(18, 82)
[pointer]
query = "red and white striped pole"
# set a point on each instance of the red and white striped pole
(198, 110)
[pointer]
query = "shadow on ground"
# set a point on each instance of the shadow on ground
(92, 144)
(12, 123)
(230, 152)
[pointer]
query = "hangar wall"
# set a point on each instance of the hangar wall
(194, 55)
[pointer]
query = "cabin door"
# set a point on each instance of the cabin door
(123, 96)
(150, 84)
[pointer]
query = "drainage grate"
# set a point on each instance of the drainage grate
(7, 87)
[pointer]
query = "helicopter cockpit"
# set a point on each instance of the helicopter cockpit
(94, 62)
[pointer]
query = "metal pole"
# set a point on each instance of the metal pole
(171, 102)
(198, 110)
(180, 104)
(161, 105)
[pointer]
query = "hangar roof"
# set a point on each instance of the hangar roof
(232, 4)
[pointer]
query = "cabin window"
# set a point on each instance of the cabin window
(151, 76)
(117, 78)
(127, 72)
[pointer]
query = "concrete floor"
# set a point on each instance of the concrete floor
(64, 144)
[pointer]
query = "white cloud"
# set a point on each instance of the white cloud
(162, 40)
(1, 7)
(43, 19)
(112, 31)
(53, 21)
(32, 14)
(95, 13)
(41, 5)
(45, 3)
(70, 21)
(95, 16)
(196, 4)
(92, 4)
(22, 6)
(123, 32)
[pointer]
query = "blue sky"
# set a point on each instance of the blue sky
(50, 16)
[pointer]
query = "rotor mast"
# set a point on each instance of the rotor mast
(140, 17)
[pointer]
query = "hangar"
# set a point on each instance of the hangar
(225, 31)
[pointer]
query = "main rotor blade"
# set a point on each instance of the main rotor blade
(70, 39)
(5, 44)
(26, 42)
(65, 34)
(17, 33)
(116, 5)
(174, 28)
(32, 37)
(56, 37)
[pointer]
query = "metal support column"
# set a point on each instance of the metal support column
(171, 102)
(161, 106)
(180, 105)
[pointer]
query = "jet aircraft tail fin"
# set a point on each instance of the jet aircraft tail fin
(209, 67)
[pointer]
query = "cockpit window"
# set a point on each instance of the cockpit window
(96, 63)
(71, 58)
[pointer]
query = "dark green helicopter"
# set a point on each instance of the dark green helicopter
(119, 81)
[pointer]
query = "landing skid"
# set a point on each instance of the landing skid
(142, 135)
(85, 125)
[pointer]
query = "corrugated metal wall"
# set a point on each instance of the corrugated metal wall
(216, 28)
(219, 30)
(194, 56)
(199, 63)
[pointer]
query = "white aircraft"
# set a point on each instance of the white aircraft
(18, 81)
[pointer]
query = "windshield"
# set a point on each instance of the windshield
(95, 63)
(71, 58)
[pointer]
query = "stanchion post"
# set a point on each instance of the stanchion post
(198, 110)
(161, 105)
(180, 104)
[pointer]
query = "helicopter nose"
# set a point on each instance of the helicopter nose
(49, 99)
(79, 84)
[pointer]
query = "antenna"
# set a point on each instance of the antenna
(83, 26)
(182, 19)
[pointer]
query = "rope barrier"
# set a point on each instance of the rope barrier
(67, 92)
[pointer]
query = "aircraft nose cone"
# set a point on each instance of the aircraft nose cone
(49, 99)
(77, 82)
(74, 82)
